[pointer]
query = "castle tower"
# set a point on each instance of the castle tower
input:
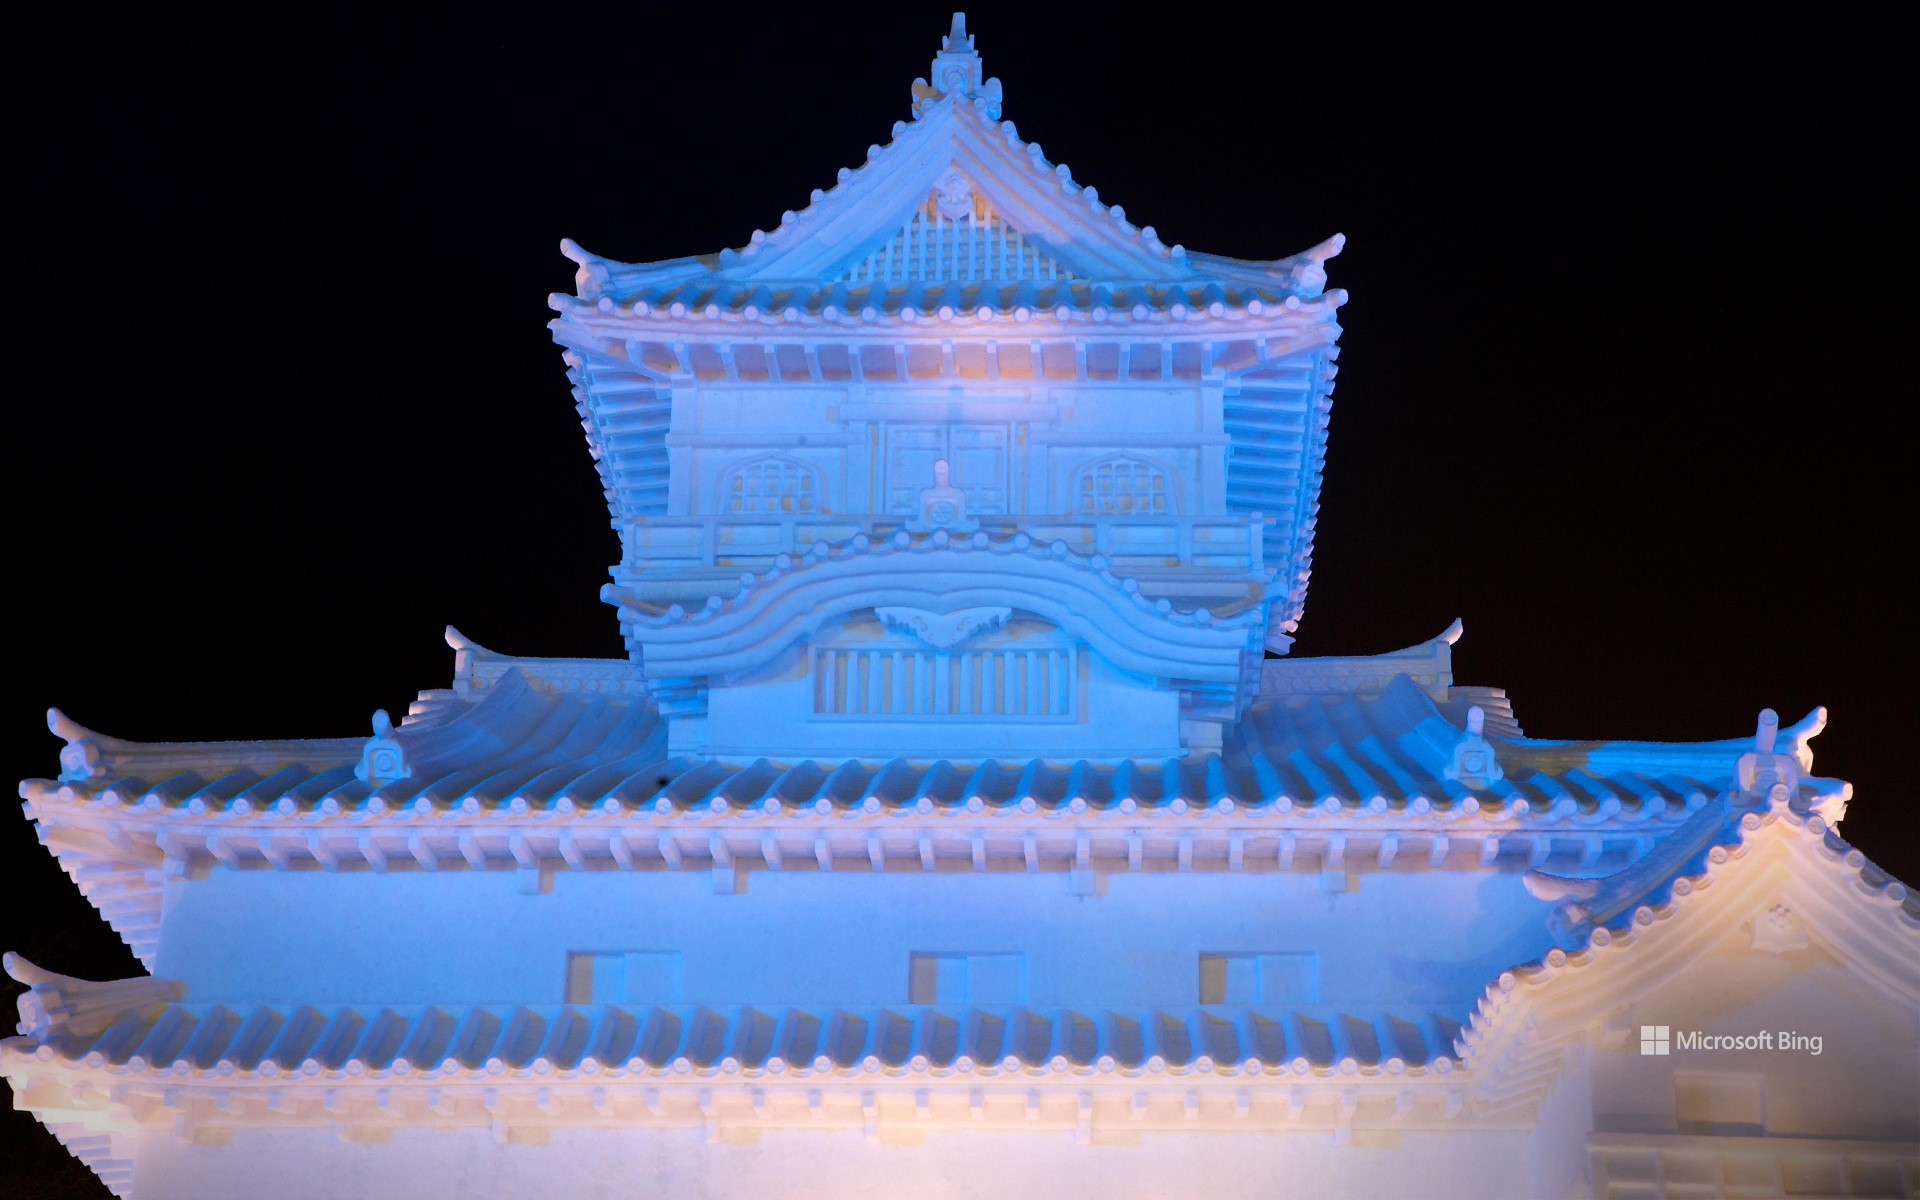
(956, 462)
(946, 829)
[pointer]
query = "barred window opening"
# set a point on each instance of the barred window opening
(771, 486)
(1123, 486)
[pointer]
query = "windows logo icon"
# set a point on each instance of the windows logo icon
(1653, 1039)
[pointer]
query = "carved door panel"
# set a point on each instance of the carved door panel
(979, 457)
(911, 452)
(977, 453)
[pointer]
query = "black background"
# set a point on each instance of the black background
(1622, 380)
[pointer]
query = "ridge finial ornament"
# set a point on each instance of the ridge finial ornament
(80, 758)
(1308, 270)
(383, 759)
(1474, 762)
(956, 72)
(1765, 776)
(61, 1004)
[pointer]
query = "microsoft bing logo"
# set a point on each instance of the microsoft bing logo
(1653, 1039)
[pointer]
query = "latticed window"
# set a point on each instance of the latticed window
(771, 485)
(974, 244)
(1123, 485)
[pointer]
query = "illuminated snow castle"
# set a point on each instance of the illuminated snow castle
(948, 830)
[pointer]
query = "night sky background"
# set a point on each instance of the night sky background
(1622, 383)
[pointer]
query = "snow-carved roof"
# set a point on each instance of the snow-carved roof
(544, 739)
(1777, 875)
(372, 1069)
(1776, 869)
(955, 215)
(534, 763)
(146, 1036)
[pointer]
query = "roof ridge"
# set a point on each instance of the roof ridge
(90, 755)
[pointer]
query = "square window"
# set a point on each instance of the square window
(1279, 977)
(1229, 979)
(937, 979)
(1728, 1105)
(967, 978)
(595, 978)
(622, 976)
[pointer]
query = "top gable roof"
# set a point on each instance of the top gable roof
(951, 151)
(966, 200)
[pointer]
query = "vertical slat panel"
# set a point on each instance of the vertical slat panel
(876, 681)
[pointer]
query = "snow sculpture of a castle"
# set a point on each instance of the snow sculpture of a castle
(948, 830)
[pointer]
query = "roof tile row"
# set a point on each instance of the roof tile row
(525, 752)
(945, 301)
(305, 1041)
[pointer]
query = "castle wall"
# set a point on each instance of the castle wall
(811, 939)
(1015, 449)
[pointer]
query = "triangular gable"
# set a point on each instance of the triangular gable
(1787, 877)
(901, 218)
(957, 235)
(1786, 885)
(950, 158)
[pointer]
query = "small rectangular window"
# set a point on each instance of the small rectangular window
(1255, 978)
(1725, 1105)
(623, 976)
(1229, 979)
(967, 978)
